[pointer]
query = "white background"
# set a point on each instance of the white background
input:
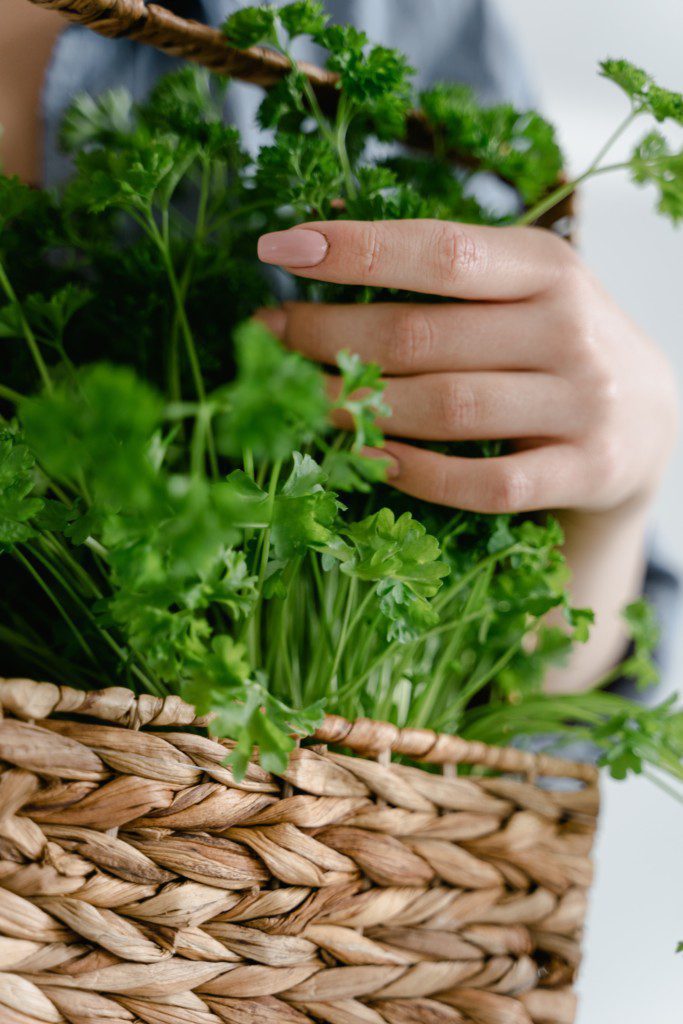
(630, 974)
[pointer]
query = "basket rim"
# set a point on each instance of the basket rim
(34, 701)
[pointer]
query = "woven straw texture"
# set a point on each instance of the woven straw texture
(141, 883)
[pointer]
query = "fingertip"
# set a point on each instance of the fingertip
(274, 319)
(296, 248)
(393, 466)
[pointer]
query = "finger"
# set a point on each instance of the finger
(479, 406)
(407, 338)
(537, 478)
(436, 257)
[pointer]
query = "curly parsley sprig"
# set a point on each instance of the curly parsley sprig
(176, 512)
(651, 161)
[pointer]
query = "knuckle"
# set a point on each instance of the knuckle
(561, 252)
(456, 253)
(608, 462)
(594, 373)
(442, 484)
(576, 332)
(563, 263)
(411, 340)
(571, 284)
(371, 249)
(508, 490)
(604, 391)
(458, 407)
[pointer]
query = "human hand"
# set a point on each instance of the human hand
(539, 355)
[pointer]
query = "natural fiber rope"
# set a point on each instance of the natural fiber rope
(182, 37)
(141, 884)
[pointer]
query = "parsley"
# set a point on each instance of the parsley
(651, 161)
(176, 512)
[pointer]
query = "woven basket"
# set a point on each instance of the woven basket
(141, 883)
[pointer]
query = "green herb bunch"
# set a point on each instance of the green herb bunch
(176, 512)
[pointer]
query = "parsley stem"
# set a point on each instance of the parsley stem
(616, 134)
(321, 591)
(53, 546)
(29, 336)
(49, 592)
(424, 709)
(476, 684)
(560, 193)
(344, 633)
(188, 337)
(10, 394)
(146, 680)
(264, 555)
(45, 658)
(184, 284)
(337, 136)
(343, 122)
(661, 784)
(360, 611)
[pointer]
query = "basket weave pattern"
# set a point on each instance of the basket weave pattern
(141, 883)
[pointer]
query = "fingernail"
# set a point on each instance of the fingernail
(274, 319)
(297, 247)
(392, 464)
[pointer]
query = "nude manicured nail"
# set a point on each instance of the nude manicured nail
(297, 247)
(391, 463)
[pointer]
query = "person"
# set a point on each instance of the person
(538, 353)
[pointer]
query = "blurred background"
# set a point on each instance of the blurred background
(630, 973)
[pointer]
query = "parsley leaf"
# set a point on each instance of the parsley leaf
(17, 482)
(644, 93)
(278, 401)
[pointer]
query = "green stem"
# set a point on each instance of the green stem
(47, 590)
(10, 394)
(661, 784)
(321, 591)
(560, 193)
(344, 633)
(186, 330)
(343, 122)
(29, 336)
(614, 137)
(56, 548)
(362, 607)
(337, 136)
(52, 665)
(143, 677)
(475, 685)
(255, 632)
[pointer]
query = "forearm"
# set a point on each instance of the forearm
(27, 36)
(606, 555)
